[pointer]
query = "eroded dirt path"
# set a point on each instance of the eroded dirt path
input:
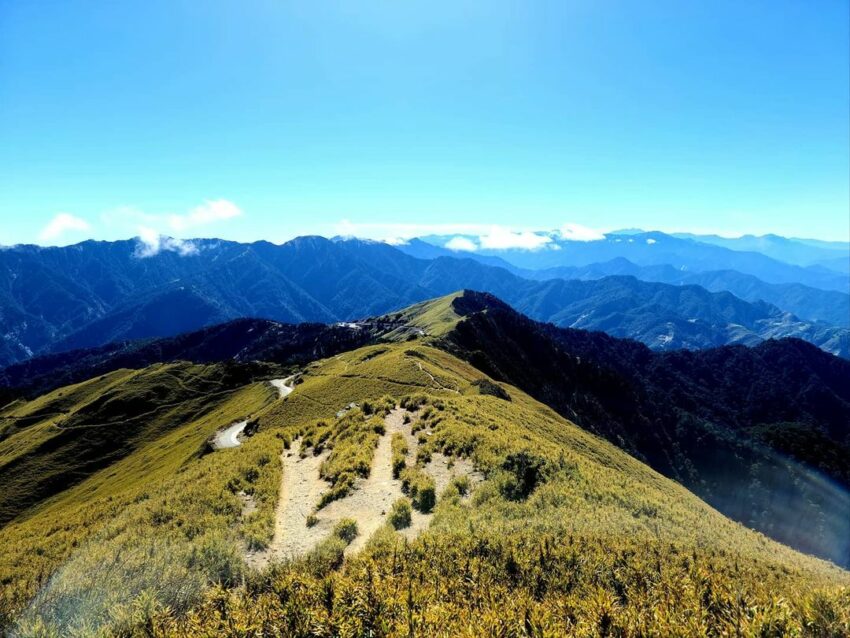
(368, 504)
(300, 490)
(371, 500)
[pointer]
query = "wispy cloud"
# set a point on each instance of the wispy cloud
(469, 237)
(151, 243)
(577, 232)
(154, 230)
(461, 244)
(209, 212)
(61, 224)
(500, 238)
(401, 231)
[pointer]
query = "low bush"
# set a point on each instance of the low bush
(526, 471)
(400, 514)
(346, 530)
(420, 487)
(399, 447)
(462, 485)
(487, 387)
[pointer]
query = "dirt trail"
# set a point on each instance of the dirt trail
(229, 436)
(371, 500)
(434, 379)
(300, 489)
(284, 386)
(368, 504)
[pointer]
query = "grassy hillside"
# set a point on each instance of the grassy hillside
(59, 439)
(566, 534)
(761, 433)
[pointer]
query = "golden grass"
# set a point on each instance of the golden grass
(575, 538)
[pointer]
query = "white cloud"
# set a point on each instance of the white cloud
(650, 240)
(487, 236)
(131, 218)
(396, 241)
(123, 215)
(61, 224)
(461, 243)
(153, 230)
(395, 232)
(500, 238)
(152, 243)
(207, 213)
(577, 232)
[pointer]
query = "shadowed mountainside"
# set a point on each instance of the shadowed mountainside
(761, 433)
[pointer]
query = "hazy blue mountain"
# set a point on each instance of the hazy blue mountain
(838, 264)
(94, 293)
(655, 249)
(809, 303)
(803, 252)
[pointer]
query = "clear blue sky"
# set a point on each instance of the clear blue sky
(291, 117)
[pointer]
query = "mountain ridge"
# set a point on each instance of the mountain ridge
(161, 539)
(735, 424)
(94, 293)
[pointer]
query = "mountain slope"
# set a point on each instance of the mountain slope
(760, 433)
(752, 430)
(565, 532)
(59, 439)
(241, 340)
(660, 315)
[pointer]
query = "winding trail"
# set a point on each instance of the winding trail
(434, 379)
(284, 386)
(229, 436)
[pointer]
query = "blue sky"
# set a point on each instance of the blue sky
(270, 119)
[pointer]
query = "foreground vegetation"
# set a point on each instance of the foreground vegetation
(567, 535)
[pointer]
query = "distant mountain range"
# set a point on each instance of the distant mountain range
(682, 253)
(809, 303)
(95, 293)
(803, 252)
(804, 301)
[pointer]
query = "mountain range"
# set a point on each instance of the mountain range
(690, 253)
(760, 433)
(95, 293)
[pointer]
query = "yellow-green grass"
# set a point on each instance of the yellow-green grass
(434, 317)
(162, 484)
(601, 543)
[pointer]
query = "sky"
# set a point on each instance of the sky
(271, 119)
